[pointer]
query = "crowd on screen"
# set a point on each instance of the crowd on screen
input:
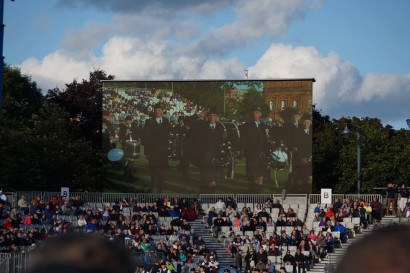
(139, 103)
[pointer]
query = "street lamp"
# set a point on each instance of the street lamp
(359, 135)
(1, 50)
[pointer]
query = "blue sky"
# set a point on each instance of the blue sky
(356, 50)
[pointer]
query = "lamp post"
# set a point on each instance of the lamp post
(1, 50)
(359, 135)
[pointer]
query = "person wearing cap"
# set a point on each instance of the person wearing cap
(156, 136)
(254, 144)
(210, 139)
(302, 155)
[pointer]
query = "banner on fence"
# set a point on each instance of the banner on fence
(326, 196)
(65, 191)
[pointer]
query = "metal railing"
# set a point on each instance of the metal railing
(102, 197)
(13, 262)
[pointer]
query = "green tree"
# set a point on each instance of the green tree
(42, 146)
(21, 96)
(83, 101)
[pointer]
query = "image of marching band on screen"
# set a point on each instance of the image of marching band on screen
(209, 136)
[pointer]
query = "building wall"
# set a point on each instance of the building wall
(281, 94)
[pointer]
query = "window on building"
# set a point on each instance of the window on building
(295, 104)
(282, 104)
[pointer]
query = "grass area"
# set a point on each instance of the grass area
(174, 183)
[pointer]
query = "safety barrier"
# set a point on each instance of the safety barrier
(17, 263)
(13, 263)
(106, 197)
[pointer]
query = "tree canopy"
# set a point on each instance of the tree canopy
(43, 146)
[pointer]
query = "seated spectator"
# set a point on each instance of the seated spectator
(270, 222)
(329, 242)
(273, 250)
(280, 222)
(263, 213)
(257, 209)
(81, 222)
(284, 239)
(231, 212)
(261, 224)
(312, 236)
(337, 205)
(211, 215)
(282, 213)
(248, 227)
(217, 225)
(368, 210)
(329, 214)
(329, 227)
(300, 261)
(23, 205)
(313, 253)
(319, 216)
(269, 268)
(277, 204)
(317, 208)
(236, 244)
(288, 258)
(91, 226)
(274, 239)
(185, 226)
(219, 205)
(269, 204)
(321, 245)
(290, 213)
(227, 222)
(341, 228)
(260, 265)
(297, 221)
(250, 259)
(323, 223)
(294, 241)
(305, 230)
(338, 216)
(237, 222)
(231, 202)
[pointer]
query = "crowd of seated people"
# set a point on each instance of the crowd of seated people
(158, 227)
(260, 232)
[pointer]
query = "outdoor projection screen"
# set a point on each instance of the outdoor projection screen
(183, 154)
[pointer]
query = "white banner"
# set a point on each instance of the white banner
(326, 196)
(65, 191)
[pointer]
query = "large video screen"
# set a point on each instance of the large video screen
(222, 136)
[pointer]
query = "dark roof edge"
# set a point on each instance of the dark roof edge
(213, 80)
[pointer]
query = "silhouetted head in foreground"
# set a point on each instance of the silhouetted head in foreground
(81, 253)
(383, 251)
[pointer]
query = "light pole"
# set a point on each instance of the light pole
(1, 50)
(359, 135)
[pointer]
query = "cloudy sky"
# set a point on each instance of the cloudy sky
(356, 50)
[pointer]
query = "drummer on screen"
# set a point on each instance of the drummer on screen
(128, 132)
(254, 143)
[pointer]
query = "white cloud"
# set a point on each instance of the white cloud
(339, 89)
(55, 70)
(148, 46)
